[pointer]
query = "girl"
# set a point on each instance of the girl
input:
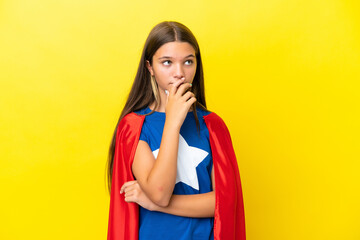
(172, 170)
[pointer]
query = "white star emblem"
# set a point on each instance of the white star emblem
(187, 161)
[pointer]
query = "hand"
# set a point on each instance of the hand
(178, 103)
(134, 193)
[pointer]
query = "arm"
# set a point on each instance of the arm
(196, 205)
(157, 178)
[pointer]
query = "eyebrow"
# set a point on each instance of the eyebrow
(191, 55)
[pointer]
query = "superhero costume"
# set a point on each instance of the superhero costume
(194, 166)
(229, 219)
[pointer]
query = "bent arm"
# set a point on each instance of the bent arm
(157, 178)
(197, 205)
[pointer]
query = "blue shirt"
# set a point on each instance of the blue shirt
(194, 167)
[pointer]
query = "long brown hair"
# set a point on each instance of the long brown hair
(143, 93)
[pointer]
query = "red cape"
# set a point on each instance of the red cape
(229, 218)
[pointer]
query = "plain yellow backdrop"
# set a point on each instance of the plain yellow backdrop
(284, 76)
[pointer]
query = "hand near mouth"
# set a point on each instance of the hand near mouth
(172, 83)
(179, 101)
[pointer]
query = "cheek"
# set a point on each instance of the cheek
(160, 71)
(162, 78)
(191, 72)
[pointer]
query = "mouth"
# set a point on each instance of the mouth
(184, 81)
(176, 81)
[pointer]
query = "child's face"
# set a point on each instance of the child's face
(173, 61)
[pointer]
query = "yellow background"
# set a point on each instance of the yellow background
(284, 76)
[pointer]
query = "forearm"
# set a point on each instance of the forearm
(196, 205)
(163, 174)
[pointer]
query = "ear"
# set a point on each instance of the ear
(149, 67)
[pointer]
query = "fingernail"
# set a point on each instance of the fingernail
(190, 84)
(167, 92)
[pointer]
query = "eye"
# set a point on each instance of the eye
(188, 62)
(166, 62)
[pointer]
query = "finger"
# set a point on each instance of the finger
(191, 101)
(133, 195)
(182, 89)
(188, 95)
(175, 85)
(126, 185)
(129, 193)
(167, 98)
(128, 189)
(130, 199)
(134, 187)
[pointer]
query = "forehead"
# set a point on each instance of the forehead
(175, 50)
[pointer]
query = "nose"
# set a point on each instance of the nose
(179, 72)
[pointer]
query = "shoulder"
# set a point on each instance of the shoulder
(132, 117)
(212, 117)
(212, 120)
(215, 123)
(217, 127)
(131, 122)
(136, 115)
(141, 111)
(202, 112)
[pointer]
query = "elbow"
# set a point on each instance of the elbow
(163, 203)
(161, 199)
(160, 194)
